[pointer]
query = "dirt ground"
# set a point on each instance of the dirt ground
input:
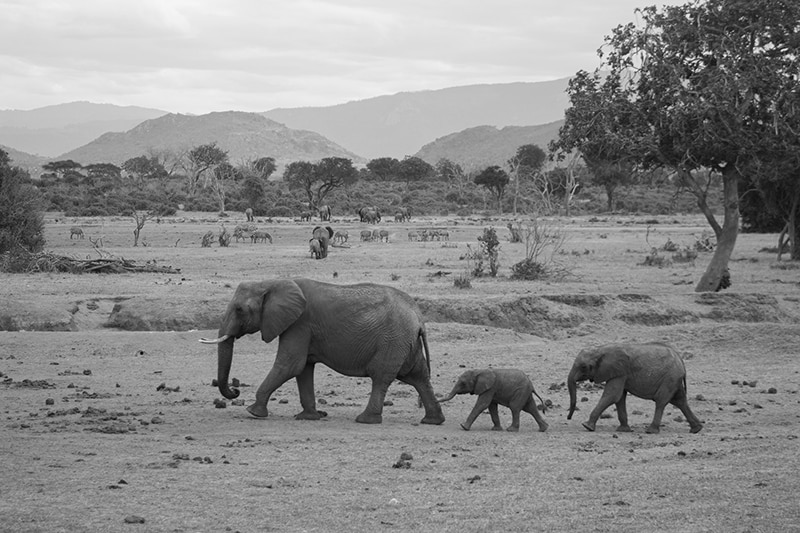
(108, 420)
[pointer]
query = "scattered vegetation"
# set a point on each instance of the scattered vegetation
(543, 242)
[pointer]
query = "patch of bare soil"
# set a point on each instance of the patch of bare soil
(110, 423)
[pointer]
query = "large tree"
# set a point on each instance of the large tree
(697, 85)
(384, 168)
(494, 179)
(412, 168)
(319, 179)
(200, 163)
(526, 163)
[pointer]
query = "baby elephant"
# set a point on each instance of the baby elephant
(653, 371)
(504, 386)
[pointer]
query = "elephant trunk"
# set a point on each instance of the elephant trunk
(573, 393)
(448, 397)
(224, 359)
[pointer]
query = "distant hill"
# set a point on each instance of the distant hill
(482, 146)
(53, 130)
(245, 136)
(31, 163)
(400, 124)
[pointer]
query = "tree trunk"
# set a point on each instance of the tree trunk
(794, 227)
(718, 267)
(700, 194)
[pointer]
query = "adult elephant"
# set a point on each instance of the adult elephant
(370, 215)
(324, 213)
(653, 371)
(405, 213)
(363, 330)
(249, 214)
(324, 235)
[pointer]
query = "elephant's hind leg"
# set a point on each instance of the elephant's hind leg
(532, 409)
(420, 380)
(373, 412)
(681, 402)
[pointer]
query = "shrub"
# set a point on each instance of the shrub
(21, 211)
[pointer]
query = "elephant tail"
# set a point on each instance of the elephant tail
(424, 336)
(544, 407)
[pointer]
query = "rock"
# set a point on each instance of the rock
(133, 519)
(49, 401)
(220, 404)
(772, 390)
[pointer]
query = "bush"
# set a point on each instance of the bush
(21, 211)
(528, 270)
(279, 211)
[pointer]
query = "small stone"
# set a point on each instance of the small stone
(133, 519)
(283, 400)
(734, 382)
(49, 401)
(405, 456)
(162, 386)
(220, 404)
(772, 390)
(214, 383)
(235, 382)
(700, 398)
(89, 373)
(323, 401)
(156, 420)
(753, 383)
(388, 403)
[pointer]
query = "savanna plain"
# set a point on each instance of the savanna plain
(108, 419)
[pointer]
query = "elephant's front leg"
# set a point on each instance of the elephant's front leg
(496, 426)
(373, 413)
(484, 401)
(611, 394)
(622, 414)
(305, 386)
(290, 361)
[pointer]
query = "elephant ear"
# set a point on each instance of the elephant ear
(484, 382)
(330, 231)
(283, 304)
(611, 363)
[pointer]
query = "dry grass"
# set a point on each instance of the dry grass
(120, 440)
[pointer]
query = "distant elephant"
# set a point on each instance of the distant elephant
(305, 216)
(260, 236)
(405, 214)
(76, 231)
(370, 215)
(499, 386)
(324, 234)
(249, 214)
(315, 247)
(363, 330)
(653, 371)
(324, 213)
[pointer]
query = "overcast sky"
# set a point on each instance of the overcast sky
(197, 56)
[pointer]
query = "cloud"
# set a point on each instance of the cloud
(253, 55)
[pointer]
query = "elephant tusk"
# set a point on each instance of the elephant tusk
(215, 341)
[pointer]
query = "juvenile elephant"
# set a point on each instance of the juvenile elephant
(653, 371)
(499, 386)
(363, 330)
(315, 248)
(324, 213)
(324, 235)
